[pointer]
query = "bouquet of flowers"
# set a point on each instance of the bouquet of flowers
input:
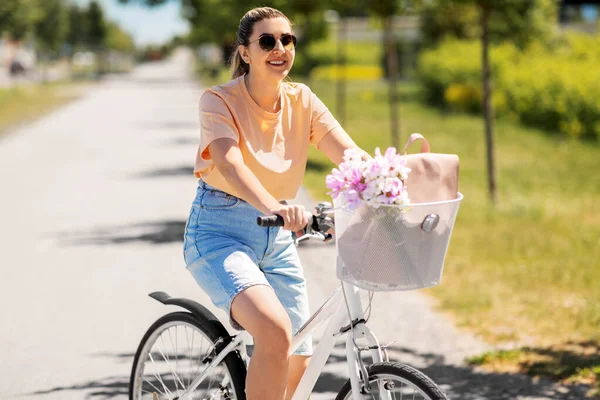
(373, 182)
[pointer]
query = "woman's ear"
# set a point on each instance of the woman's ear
(243, 50)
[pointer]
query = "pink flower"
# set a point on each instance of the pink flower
(376, 181)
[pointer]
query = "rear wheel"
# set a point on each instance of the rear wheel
(174, 351)
(391, 381)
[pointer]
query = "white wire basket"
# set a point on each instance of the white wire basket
(394, 248)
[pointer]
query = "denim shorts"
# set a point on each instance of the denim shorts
(227, 252)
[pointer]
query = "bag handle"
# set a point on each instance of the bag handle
(414, 137)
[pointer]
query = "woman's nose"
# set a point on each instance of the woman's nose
(279, 46)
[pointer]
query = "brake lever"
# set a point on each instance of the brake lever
(307, 236)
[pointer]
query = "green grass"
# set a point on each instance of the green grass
(526, 271)
(25, 103)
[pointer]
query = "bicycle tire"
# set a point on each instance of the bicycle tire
(232, 364)
(405, 374)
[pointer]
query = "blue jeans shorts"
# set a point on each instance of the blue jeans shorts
(227, 252)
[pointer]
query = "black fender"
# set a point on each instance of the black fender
(202, 313)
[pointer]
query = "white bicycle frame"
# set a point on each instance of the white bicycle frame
(336, 311)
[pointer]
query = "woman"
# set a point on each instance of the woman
(255, 134)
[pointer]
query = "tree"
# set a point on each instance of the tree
(17, 17)
(386, 10)
(343, 10)
(78, 27)
(119, 40)
(51, 29)
(96, 26)
(519, 20)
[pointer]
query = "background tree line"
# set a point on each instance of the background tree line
(61, 27)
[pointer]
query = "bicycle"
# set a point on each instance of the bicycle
(215, 363)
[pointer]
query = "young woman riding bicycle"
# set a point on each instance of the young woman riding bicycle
(254, 139)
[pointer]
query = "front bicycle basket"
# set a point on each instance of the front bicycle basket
(394, 247)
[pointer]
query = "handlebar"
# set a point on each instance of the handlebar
(316, 229)
(271, 220)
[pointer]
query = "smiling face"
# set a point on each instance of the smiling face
(274, 65)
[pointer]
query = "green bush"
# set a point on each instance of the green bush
(557, 90)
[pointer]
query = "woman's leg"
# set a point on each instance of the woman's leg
(259, 311)
(297, 366)
(283, 270)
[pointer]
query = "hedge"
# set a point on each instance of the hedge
(557, 90)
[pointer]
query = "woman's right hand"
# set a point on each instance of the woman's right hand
(294, 216)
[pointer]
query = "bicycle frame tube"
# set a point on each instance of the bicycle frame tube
(336, 311)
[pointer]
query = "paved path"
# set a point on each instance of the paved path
(93, 203)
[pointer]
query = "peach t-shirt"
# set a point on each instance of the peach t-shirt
(274, 145)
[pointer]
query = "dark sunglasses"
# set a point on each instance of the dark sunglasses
(267, 42)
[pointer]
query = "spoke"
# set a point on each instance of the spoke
(166, 358)
(191, 352)
(157, 389)
(174, 346)
(158, 376)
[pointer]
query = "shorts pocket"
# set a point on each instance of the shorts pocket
(217, 200)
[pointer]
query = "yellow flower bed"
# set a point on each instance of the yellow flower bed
(351, 72)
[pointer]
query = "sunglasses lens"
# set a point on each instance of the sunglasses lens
(288, 41)
(267, 43)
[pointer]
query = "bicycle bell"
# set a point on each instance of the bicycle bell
(430, 222)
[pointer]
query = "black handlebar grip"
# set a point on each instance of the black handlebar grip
(273, 220)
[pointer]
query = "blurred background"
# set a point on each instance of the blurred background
(511, 86)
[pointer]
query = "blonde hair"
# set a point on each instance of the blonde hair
(238, 66)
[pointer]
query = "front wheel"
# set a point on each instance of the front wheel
(391, 381)
(174, 351)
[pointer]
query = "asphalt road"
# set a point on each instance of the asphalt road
(93, 202)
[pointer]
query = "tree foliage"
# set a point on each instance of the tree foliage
(96, 28)
(17, 17)
(518, 21)
(51, 29)
(117, 39)
(78, 27)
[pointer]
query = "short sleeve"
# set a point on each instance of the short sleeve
(322, 121)
(216, 122)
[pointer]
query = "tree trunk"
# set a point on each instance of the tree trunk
(488, 108)
(341, 72)
(392, 63)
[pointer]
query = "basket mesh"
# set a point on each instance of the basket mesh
(389, 248)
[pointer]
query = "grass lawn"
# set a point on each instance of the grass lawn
(24, 103)
(525, 274)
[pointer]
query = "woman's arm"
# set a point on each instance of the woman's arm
(334, 143)
(228, 159)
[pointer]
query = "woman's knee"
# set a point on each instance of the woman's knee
(258, 310)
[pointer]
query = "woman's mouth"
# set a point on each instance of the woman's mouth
(277, 63)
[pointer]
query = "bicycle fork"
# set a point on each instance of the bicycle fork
(359, 378)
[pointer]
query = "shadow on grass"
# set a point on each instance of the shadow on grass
(159, 232)
(568, 361)
(457, 381)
